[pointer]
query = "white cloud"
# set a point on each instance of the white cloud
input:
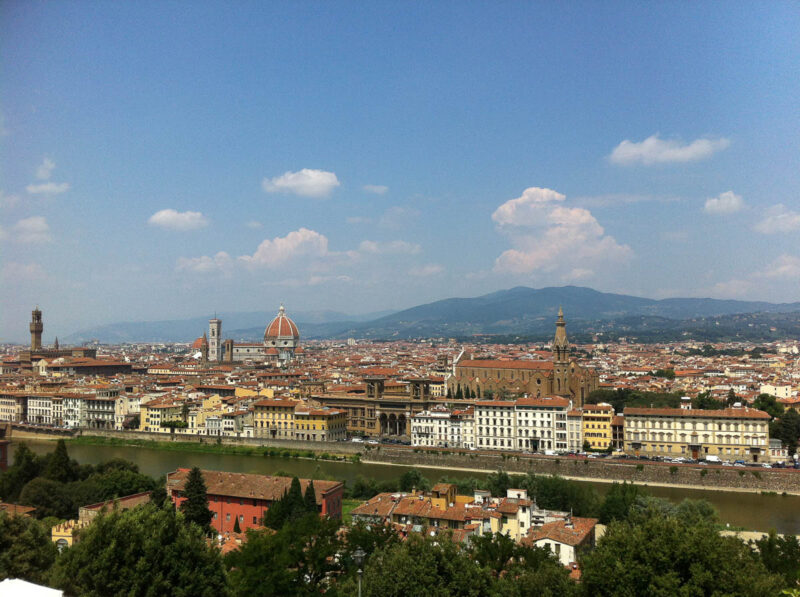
(8, 200)
(253, 224)
(527, 210)
(423, 271)
(178, 220)
(219, 262)
(547, 236)
(305, 182)
(279, 250)
(725, 203)
(778, 220)
(31, 230)
(655, 150)
(48, 188)
(784, 267)
(395, 247)
(13, 271)
(44, 171)
(398, 217)
(375, 189)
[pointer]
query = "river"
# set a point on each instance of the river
(752, 511)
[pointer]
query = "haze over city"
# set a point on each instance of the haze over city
(171, 163)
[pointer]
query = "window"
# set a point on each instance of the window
(228, 517)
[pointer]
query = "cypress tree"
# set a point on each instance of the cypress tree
(59, 467)
(195, 507)
(310, 498)
(236, 527)
(296, 505)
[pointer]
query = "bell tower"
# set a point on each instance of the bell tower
(36, 328)
(561, 357)
(215, 340)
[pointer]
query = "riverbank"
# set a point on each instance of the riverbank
(211, 447)
(593, 480)
(684, 476)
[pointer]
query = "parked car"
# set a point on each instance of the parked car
(357, 440)
(766, 465)
(373, 442)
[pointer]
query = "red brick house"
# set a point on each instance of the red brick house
(247, 496)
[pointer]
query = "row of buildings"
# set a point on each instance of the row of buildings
(550, 425)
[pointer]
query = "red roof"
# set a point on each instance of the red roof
(496, 364)
(281, 327)
(728, 413)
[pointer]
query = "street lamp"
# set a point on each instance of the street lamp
(358, 558)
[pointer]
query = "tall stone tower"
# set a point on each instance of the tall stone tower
(561, 357)
(36, 329)
(215, 340)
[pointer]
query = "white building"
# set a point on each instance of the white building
(541, 423)
(785, 391)
(74, 411)
(574, 431)
(40, 409)
(443, 428)
(533, 424)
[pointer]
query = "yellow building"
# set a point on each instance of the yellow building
(729, 434)
(274, 418)
(596, 425)
(320, 424)
(152, 414)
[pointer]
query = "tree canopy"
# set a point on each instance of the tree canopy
(26, 550)
(146, 551)
(195, 506)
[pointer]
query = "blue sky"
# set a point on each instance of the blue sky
(161, 160)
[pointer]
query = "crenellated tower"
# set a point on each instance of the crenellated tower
(36, 329)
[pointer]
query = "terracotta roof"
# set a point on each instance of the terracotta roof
(727, 413)
(245, 485)
(497, 364)
(555, 401)
(560, 532)
(281, 327)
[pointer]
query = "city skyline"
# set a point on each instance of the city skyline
(161, 163)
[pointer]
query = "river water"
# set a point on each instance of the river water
(752, 511)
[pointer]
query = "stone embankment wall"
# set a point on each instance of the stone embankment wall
(330, 447)
(701, 477)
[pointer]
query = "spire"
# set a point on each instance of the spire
(560, 340)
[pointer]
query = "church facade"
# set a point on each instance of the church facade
(281, 344)
(561, 376)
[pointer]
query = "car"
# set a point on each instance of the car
(373, 442)
(742, 462)
(726, 463)
(702, 462)
(766, 465)
(357, 440)
(739, 464)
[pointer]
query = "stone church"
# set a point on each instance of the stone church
(561, 376)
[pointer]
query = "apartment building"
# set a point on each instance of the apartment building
(596, 423)
(534, 424)
(444, 428)
(320, 424)
(731, 433)
(274, 418)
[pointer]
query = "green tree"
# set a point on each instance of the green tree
(704, 401)
(26, 467)
(769, 404)
(295, 560)
(787, 429)
(618, 501)
(236, 527)
(368, 538)
(26, 550)
(413, 479)
(195, 506)
(731, 398)
(146, 551)
(310, 498)
(661, 555)
(422, 566)
(50, 498)
(781, 555)
(498, 483)
(59, 467)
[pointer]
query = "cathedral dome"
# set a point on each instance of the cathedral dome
(199, 343)
(281, 328)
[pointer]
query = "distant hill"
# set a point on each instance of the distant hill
(185, 330)
(514, 312)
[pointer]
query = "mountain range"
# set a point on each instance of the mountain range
(513, 313)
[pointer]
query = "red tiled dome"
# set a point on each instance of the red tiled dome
(281, 328)
(199, 343)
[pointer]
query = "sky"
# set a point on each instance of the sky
(161, 160)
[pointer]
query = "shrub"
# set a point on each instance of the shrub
(673, 470)
(639, 467)
(703, 473)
